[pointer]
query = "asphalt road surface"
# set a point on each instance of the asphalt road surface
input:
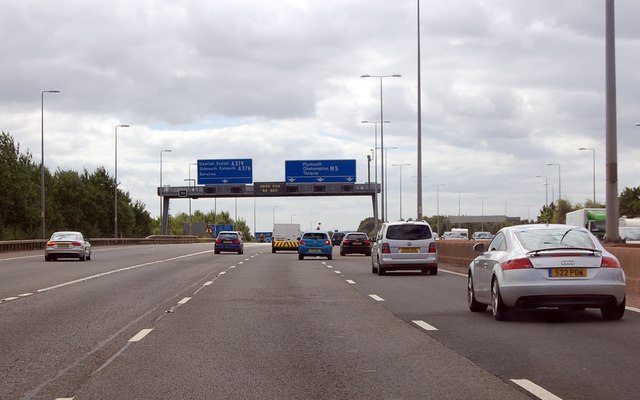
(178, 322)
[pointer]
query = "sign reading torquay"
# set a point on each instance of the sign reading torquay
(217, 172)
(314, 171)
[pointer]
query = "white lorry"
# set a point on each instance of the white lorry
(594, 219)
(285, 237)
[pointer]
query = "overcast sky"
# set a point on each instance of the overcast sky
(507, 87)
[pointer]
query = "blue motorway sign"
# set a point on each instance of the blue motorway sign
(217, 172)
(326, 171)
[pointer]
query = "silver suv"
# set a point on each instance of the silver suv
(406, 245)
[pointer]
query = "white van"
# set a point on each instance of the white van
(464, 232)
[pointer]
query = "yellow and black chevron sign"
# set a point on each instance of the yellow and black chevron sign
(285, 245)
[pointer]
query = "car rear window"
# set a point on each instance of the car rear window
(553, 238)
(227, 236)
(356, 236)
(66, 236)
(408, 232)
(315, 235)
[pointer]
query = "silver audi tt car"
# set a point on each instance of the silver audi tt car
(532, 266)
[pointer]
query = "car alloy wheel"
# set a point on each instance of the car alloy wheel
(500, 311)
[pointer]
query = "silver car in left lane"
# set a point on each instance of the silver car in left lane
(67, 244)
(532, 266)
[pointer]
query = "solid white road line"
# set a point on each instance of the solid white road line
(634, 309)
(10, 298)
(140, 335)
(376, 297)
(452, 272)
(183, 301)
(425, 326)
(536, 390)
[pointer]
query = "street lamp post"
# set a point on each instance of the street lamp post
(594, 170)
(189, 180)
(386, 180)
(274, 214)
(482, 213)
(44, 229)
(382, 200)
(162, 222)
(437, 185)
(546, 189)
(115, 188)
(375, 163)
(559, 180)
(400, 166)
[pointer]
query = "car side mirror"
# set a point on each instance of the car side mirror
(479, 247)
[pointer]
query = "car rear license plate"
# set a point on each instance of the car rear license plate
(228, 242)
(314, 250)
(568, 272)
(409, 250)
(63, 245)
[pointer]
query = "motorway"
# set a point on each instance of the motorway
(178, 322)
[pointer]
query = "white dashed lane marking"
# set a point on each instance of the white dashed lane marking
(376, 297)
(425, 326)
(138, 337)
(536, 390)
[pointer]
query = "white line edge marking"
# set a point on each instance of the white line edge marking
(65, 398)
(452, 272)
(376, 297)
(222, 272)
(424, 325)
(349, 281)
(337, 272)
(183, 301)
(634, 309)
(10, 298)
(208, 283)
(119, 270)
(536, 390)
(140, 335)
(25, 294)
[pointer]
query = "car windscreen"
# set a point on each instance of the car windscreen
(553, 238)
(65, 236)
(314, 235)
(408, 232)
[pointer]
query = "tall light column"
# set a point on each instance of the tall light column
(594, 170)
(44, 229)
(115, 189)
(375, 164)
(546, 189)
(437, 185)
(419, 103)
(382, 201)
(162, 224)
(274, 214)
(189, 180)
(386, 179)
(559, 180)
(400, 166)
(482, 213)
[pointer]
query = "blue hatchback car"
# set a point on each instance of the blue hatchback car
(229, 241)
(315, 243)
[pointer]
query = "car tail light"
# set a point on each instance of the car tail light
(518, 263)
(609, 262)
(327, 241)
(236, 241)
(301, 241)
(76, 243)
(218, 240)
(366, 243)
(51, 244)
(432, 247)
(346, 242)
(385, 248)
